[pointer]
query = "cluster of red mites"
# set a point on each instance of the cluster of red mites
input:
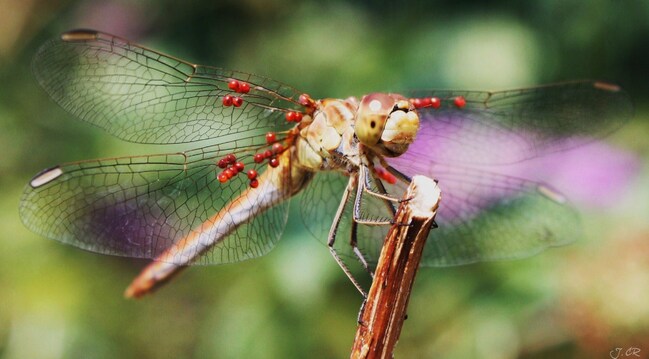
(276, 148)
(239, 87)
(293, 116)
(435, 102)
(232, 168)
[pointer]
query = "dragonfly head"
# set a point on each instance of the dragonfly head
(386, 123)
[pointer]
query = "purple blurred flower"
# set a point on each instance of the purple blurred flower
(480, 162)
(594, 174)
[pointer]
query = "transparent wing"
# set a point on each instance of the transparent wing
(319, 202)
(318, 205)
(141, 95)
(509, 126)
(140, 206)
(482, 217)
(486, 215)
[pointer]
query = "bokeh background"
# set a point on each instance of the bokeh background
(584, 300)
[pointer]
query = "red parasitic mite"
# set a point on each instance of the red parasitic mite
(386, 176)
(222, 177)
(233, 85)
(239, 166)
(459, 102)
(435, 102)
(244, 87)
(271, 137)
(237, 101)
(230, 159)
(258, 158)
(227, 100)
(277, 148)
(293, 116)
(420, 102)
(254, 183)
(268, 154)
(252, 174)
(274, 162)
(222, 163)
(306, 100)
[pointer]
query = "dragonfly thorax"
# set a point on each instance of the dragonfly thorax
(386, 123)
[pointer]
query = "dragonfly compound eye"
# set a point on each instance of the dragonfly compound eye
(373, 112)
(386, 123)
(399, 132)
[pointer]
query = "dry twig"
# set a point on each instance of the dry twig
(385, 308)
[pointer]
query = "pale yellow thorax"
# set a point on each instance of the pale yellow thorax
(386, 124)
(330, 130)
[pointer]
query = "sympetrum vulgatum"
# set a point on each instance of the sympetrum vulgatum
(261, 142)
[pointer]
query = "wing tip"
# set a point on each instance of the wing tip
(79, 35)
(552, 194)
(605, 86)
(46, 176)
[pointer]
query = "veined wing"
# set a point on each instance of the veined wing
(141, 95)
(505, 127)
(491, 207)
(140, 206)
(485, 215)
(482, 217)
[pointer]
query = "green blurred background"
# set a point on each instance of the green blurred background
(583, 300)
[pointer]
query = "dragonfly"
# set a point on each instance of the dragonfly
(257, 143)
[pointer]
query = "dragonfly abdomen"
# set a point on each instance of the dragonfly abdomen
(277, 184)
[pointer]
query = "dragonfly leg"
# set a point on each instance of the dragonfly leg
(364, 173)
(381, 189)
(399, 175)
(357, 252)
(347, 272)
(332, 236)
(360, 312)
(363, 188)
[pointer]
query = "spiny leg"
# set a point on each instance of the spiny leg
(361, 182)
(381, 189)
(354, 230)
(357, 217)
(404, 178)
(332, 235)
(363, 186)
(357, 252)
(364, 174)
